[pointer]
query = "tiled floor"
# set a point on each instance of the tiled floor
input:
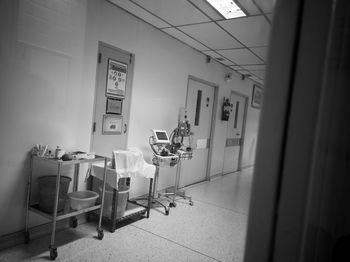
(213, 229)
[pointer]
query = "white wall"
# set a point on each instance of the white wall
(48, 66)
(41, 61)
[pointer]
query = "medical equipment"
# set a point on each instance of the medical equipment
(162, 157)
(181, 136)
(181, 145)
(160, 145)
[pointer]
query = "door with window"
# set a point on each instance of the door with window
(235, 133)
(112, 100)
(199, 104)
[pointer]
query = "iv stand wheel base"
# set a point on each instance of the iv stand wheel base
(53, 252)
(172, 204)
(100, 233)
(191, 203)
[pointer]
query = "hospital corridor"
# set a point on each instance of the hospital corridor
(213, 229)
(174, 130)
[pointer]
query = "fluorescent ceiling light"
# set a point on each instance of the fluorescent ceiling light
(228, 8)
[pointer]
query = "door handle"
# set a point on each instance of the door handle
(125, 128)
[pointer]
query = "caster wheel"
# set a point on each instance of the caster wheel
(191, 203)
(172, 205)
(100, 234)
(26, 237)
(74, 222)
(167, 212)
(53, 253)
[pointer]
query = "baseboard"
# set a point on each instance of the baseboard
(17, 238)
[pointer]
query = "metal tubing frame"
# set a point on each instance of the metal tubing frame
(103, 193)
(150, 197)
(54, 217)
(29, 186)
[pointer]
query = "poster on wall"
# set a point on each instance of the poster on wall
(114, 106)
(116, 78)
(112, 125)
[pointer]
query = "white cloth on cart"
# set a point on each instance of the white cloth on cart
(129, 163)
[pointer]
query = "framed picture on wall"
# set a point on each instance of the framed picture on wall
(112, 125)
(116, 78)
(114, 106)
(257, 96)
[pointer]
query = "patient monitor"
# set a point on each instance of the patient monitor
(160, 137)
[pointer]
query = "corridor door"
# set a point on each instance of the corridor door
(235, 133)
(199, 104)
(112, 100)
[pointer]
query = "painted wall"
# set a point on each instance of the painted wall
(47, 68)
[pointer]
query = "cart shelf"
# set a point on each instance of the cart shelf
(63, 214)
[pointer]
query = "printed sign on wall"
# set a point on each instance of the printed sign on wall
(116, 78)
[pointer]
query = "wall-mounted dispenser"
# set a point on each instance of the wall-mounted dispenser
(226, 109)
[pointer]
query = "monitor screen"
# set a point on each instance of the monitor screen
(161, 136)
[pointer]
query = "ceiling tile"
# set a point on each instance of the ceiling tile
(184, 38)
(240, 56)
(251, 31)
(258, 73)
(206, 8)
(266, 5)
(248, 6)
(139, 12)
(211, 35)
(179, 12)
(213, 54)
(217, 57)
(260, 52)
(235, 67)
(254, 67)
(244, 72)
(258, 80)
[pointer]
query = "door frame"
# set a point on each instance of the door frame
(240, 155)
(132, 57)
(213, 118)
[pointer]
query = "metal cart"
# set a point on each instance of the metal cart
(133, 207)
(67, 212)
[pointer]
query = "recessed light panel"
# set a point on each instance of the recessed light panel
(228, 8)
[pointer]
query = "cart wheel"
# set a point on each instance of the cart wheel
(74, 222)
(172, 204)
(26, 237)
(191, 203)
(53, 253)
(100, 234)
(167, 212)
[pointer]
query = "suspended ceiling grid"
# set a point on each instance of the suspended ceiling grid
(239, 43)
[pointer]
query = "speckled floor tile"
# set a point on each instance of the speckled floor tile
(230, 191)
(216, 232)
(213, 229)
(127, 244)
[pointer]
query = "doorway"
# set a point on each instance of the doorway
(200, 101)
(235, 133)
(112, 99)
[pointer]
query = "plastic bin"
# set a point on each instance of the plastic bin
(47, 192)
(122, 195)
(82, 199)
